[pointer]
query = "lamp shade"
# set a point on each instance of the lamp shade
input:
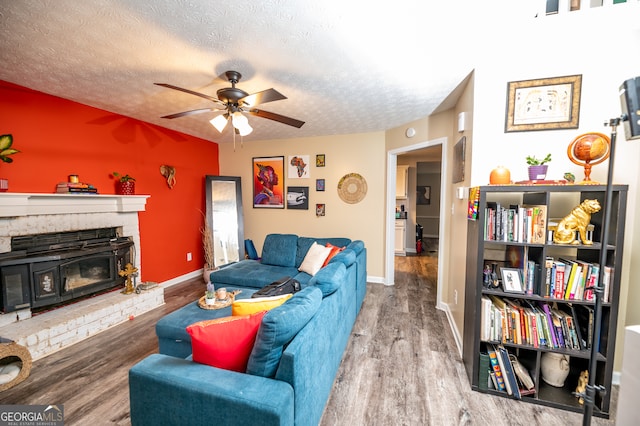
(219, 122)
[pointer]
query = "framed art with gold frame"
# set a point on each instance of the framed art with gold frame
(543, 104)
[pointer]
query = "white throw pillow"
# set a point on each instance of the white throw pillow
(314, 259)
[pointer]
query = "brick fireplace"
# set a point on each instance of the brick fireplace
(32, 214)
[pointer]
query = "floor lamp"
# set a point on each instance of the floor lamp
(630, 100)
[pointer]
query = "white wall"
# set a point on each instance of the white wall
(602, 45)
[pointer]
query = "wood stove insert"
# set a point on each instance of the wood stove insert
(45, 270)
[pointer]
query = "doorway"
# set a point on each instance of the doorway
(419, 150)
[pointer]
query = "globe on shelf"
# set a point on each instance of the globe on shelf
(587, 150)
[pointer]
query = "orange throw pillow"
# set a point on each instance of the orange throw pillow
(334, 250)
(225, 342)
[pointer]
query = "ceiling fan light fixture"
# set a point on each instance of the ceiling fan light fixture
(245, 130)
(219, 122)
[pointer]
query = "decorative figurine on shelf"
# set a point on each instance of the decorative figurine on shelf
(583, 380)
(129, 271)
(486, 276)
(578, 220)
(570, 177)
(494, 282)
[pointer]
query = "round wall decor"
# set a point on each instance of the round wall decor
(352, 188)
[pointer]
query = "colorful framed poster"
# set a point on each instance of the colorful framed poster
(320, 210)
(268, 182)
(319, 184)
(320, 160)
(298, 197)
(298, 166)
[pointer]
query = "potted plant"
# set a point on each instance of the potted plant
(210, 295)
(538, 168)
(5, 151)
(125, 184)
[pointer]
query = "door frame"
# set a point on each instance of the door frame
(392, 163)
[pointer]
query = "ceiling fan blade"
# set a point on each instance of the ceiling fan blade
(202, 95)
(193, 111)
(262, 97)
(276, 117)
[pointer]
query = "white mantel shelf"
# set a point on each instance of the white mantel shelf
(15, 204)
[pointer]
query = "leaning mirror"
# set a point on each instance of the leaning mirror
(224, 217)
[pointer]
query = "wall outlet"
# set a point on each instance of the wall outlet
(189, 257)
(455, 297)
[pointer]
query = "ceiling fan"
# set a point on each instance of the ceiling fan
(235, 103)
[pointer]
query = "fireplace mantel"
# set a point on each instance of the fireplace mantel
(15, 204)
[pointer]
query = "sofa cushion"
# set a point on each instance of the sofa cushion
(279, 326)
(346, 257)
(280, 249)
(257, 304)
(357, 246)
(329, 278)
(225, 342)
(304, 243)
(334, 250)
(314, 259)
(250, 273)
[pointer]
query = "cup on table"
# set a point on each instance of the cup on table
(221, 293)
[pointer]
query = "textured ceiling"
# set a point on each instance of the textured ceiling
(345, 66)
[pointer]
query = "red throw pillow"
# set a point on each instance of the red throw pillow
(334, 250)
(225, 342)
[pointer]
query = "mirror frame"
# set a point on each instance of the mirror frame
(239, 216)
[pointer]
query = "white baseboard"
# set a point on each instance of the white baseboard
(456, 334)
(182, 278)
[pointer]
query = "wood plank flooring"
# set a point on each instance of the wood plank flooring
(401, 366)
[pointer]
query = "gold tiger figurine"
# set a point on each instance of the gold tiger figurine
(577, 220)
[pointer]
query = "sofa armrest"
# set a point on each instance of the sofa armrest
(169, 390)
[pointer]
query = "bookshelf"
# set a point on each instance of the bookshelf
(514, 247)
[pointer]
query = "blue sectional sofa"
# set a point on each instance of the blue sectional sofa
(287, 382)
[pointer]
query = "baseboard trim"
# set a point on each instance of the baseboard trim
(182, 278)
(454, 330)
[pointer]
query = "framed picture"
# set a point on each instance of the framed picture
(319, 184)
(423, 195)
(320, 160)
(298, 197)
(320, 210)
(458, 160)
(298, 166)
(268, 182)
(511, 280)
(543, 104)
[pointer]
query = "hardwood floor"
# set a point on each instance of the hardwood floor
(401, 366)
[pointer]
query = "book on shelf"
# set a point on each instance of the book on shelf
(503, 369)
(509, 374)
(515, 223)
(75, 187)
(484, 368)
(497, 371)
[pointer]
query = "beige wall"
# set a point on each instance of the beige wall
(361, 153)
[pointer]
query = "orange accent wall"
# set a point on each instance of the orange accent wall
(58, 137)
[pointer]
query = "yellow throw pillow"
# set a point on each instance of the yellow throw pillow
(258, 304)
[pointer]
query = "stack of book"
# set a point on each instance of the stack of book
(75, 188)
(508, 374)
(515, 223)
(521, 322)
